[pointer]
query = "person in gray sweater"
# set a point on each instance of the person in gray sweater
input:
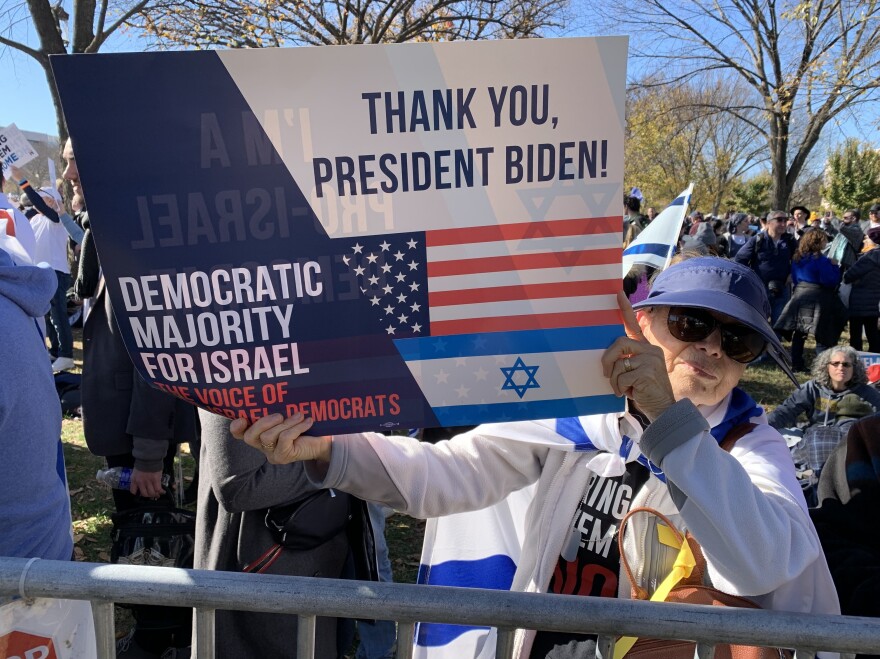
(236, 486)
(33, 483)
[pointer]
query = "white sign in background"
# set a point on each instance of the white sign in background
(14, 149)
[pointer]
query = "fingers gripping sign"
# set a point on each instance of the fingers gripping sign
(282, 440)
(636, 368)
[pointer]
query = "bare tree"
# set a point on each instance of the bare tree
(94, 21)
(258, 23)
(680, 136)
(806, 63)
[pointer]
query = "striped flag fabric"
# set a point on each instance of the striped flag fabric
(16, 235)
(655, 245)
(499, 322)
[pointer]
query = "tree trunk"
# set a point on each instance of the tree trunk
(56, 101)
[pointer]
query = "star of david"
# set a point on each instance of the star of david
(519, 366)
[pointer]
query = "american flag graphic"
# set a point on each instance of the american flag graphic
(499, 322)
(498, 278)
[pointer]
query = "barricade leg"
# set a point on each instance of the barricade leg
(604, 647)
(405, 634)
(504, 646)
(105, 629)
(705, 651)
(305, 637)
(204, 645)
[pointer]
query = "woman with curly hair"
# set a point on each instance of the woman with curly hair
(814, 307)
(836, 397)
(839, 379)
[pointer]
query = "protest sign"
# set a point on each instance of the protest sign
(378, 236)
(15, 150)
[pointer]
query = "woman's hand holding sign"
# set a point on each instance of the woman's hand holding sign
(637, 368)
(282, 440)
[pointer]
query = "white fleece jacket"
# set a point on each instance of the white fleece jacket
(744, 507)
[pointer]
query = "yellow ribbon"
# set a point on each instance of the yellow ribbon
(681, 569)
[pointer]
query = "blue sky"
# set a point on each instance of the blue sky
(28, 103)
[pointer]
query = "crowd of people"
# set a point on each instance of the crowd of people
(691, 442)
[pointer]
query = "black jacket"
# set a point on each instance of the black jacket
(770, 261)
(122, 414)
(864, 275)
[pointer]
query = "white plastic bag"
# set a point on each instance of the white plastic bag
(44, 628)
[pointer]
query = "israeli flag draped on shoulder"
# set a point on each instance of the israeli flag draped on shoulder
(481, 549)
(656, 243)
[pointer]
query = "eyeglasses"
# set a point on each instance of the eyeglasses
(844, 364)
(741, 343)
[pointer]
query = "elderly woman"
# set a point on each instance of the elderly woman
(838, 378)
(814, 307)
(684, 352)
(837, 396)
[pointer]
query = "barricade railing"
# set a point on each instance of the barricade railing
(309, 598)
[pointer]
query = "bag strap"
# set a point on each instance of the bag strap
(682, 567)
(690, 555)
(265, 561)
(735, 434)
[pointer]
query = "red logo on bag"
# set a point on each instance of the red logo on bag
(19, 645)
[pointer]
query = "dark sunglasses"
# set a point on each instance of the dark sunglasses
(844, 364)
(741, 343)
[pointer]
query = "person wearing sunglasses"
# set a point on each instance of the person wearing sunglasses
(769, 254)
(836, 396)
(684, 350)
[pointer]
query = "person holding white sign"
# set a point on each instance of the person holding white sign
(52, 226)
(679, 364)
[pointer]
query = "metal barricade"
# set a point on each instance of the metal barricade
(308, 598)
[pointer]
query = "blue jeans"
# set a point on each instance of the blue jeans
(378, 638)
(58, 329)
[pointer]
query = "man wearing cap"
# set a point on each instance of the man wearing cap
(769, 254)
(801, 217)
(685, 349)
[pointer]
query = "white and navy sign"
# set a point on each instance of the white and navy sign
(15, 150)
(378, 236)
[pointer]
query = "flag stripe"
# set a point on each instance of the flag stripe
(523, 262)
(520, 292)
(462, 415)
(658, 249)
(523, 230)
(509, 308)
(537, 322)
(473, 345)
(530, 246)
(524, 278)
